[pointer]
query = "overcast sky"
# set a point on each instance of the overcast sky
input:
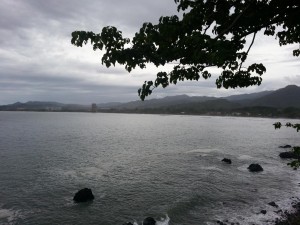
(38, 62)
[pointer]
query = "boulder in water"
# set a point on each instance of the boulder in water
(288, 155)
(84, 195)
(273, 204)
(285, 146)
(263, 211)
(255, 168)
(226, 160)
(149, 221)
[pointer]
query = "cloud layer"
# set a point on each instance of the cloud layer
(38, 62)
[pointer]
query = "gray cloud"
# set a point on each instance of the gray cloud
(38, 62)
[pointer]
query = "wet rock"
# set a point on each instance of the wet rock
(83, 195)
(285, 146)
(288, 155)
(255, 168)
(220, 222)
(273, 204)
(149, 221)
(128, 223)
(263, 212)
(226, 160)
(278, 211)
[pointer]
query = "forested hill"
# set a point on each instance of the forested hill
(281, 102)
(282, 98)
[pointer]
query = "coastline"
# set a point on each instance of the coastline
(275, 213)
(290, 218)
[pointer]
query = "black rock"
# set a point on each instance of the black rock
(255, 168)
(288, 155)
(226, 160)
(278, 211)
(285, 146)
(84, 195)
(149, 221)
(263, 211)
(273, 204)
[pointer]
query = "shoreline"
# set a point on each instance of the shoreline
(274, 213)
(290, 218)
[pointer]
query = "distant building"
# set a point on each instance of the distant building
(53, 109)
(94, 107)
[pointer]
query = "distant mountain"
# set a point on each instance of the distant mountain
(282, 98)
(282, 102)
(160, 103)
(43, 106)
(266, 103)
(243, 97)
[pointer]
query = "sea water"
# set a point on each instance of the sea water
(164, 166)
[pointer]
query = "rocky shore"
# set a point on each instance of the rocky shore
(285, 217)
(290, 218)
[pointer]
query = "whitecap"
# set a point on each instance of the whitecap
(163, 221)
(211, 168)
(202, 150)
(5, 213)
(245, 157)
(256, 217)
(8, 215)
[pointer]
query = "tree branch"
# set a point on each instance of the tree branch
(252, 42)
(234, 21)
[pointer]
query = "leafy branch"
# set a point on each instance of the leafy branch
(186, 41)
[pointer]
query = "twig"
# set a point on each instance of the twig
(248, 50)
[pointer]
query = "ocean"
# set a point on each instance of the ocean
(164, 166)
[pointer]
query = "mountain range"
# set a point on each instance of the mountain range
(281, 102)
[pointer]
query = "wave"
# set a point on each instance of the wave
(203, 150)
(261, 214)
(8, 216)
(245, 157)
(250, 216)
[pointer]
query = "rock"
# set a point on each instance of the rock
(285, 146)
(84, 195)
(288, 155)
(255, 168)
(226, 160)
(149, 221)
(278, 211)
(273, 204)
(128, 223)
(263, 211)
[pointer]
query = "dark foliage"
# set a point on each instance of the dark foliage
(210, 33)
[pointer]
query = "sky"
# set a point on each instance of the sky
(39, 63)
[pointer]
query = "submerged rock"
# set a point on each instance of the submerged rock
(263, 211)
(285, 146)
(84, 195)
(149, 221)
(226, 160)
(273, 204)
(288, 155)
(255, 168)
